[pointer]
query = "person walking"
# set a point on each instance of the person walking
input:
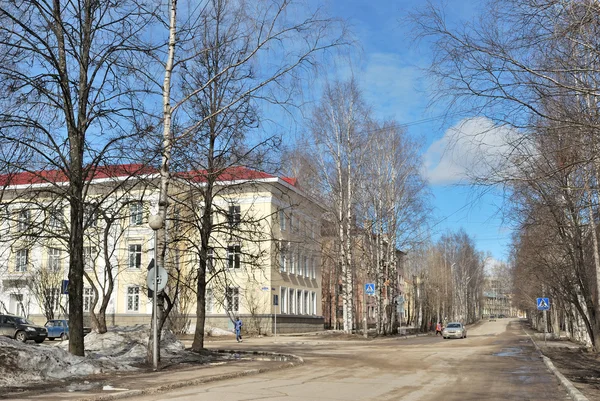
(238, 329)
(438, 329)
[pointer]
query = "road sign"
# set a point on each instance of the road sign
(161, 280)
(64, 288)
(543, 304)
(370, 288)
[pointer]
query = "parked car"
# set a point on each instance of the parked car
(492, 318)
(59, 328)
(21, 329)
(456, 330)
(501, 316)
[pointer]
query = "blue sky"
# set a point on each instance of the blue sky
(394, 83)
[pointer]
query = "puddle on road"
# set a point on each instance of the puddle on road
(509, 352)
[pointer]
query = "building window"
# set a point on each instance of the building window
(291, 261)
(135, 256)
(234, 215)
(133, 299)
(54, 259)
(305, 264)
(233, 256)
(283, 304)
(90, 216)
(89, 254)
(283, 257)
(292, 222)
(22, 260)
(56, 218)
(23, 220)
(313, 269)
(210, 260)
(306, 308)
(136, 213)
(299, 302)
(209, 300)
(88, 297)
(282, 220)
(292, 297)
(232, 299)
(51, 298)
(314, 303)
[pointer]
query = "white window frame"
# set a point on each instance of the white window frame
(283, 257)
(282, 220)
(54, 259)
(306, 301)
(210, 259)
(234, 256)
(23, 219)
(283, 300)
(52, 298)
(21, 260)
(313, 268)
(292, 299)
(136, 213)
(56, 217)
(88, 297)
(89, 253)
(306, 268)
(132, 301)
(313, 298)
(299, 303)
(90, 214)
(232, 299)
(234, 215)
(134, 256)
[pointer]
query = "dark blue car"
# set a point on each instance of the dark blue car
(59, 328)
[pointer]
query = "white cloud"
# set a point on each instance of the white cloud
(475, 148)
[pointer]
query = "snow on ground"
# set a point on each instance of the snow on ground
(25, 363)
(117, 350)
(128, 344)
(217, 332)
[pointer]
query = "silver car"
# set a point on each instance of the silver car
(455, 330)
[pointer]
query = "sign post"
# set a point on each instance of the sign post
(369, 290)
(543, 304)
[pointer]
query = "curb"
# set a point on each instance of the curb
(209, 379)
(575, 394)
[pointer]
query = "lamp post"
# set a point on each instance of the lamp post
(156, 223)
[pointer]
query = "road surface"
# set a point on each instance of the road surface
(496, 362)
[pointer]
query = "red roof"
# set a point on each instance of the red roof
(235, 174)
(125, 170)
(46, 176)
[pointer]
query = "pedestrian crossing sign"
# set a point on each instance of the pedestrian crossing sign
(543, 303)
(370, 288)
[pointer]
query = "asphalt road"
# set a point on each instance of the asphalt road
(496, 362)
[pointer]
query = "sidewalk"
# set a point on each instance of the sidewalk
(570, 363)
(140, 383)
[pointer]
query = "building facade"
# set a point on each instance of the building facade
(263, 261)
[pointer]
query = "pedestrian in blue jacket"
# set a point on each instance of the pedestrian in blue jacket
(238, 329)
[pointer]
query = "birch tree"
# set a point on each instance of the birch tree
(219, 57)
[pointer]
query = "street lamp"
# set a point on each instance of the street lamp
(156, 223)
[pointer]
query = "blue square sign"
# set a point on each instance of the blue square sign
(543, 303)
(370, 288)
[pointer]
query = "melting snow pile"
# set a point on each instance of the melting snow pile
(129, 344)
(217, 332)
(22, 364)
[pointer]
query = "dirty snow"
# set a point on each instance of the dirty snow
(22, 363)
(117, 350)
(128, 344)
(217, 332)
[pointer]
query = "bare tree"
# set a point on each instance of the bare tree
(66, 74)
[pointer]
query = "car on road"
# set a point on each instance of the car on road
(455, 330)
(492, 318)
(21, 329)
(59, 328)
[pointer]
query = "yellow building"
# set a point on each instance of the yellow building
(264, 253)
